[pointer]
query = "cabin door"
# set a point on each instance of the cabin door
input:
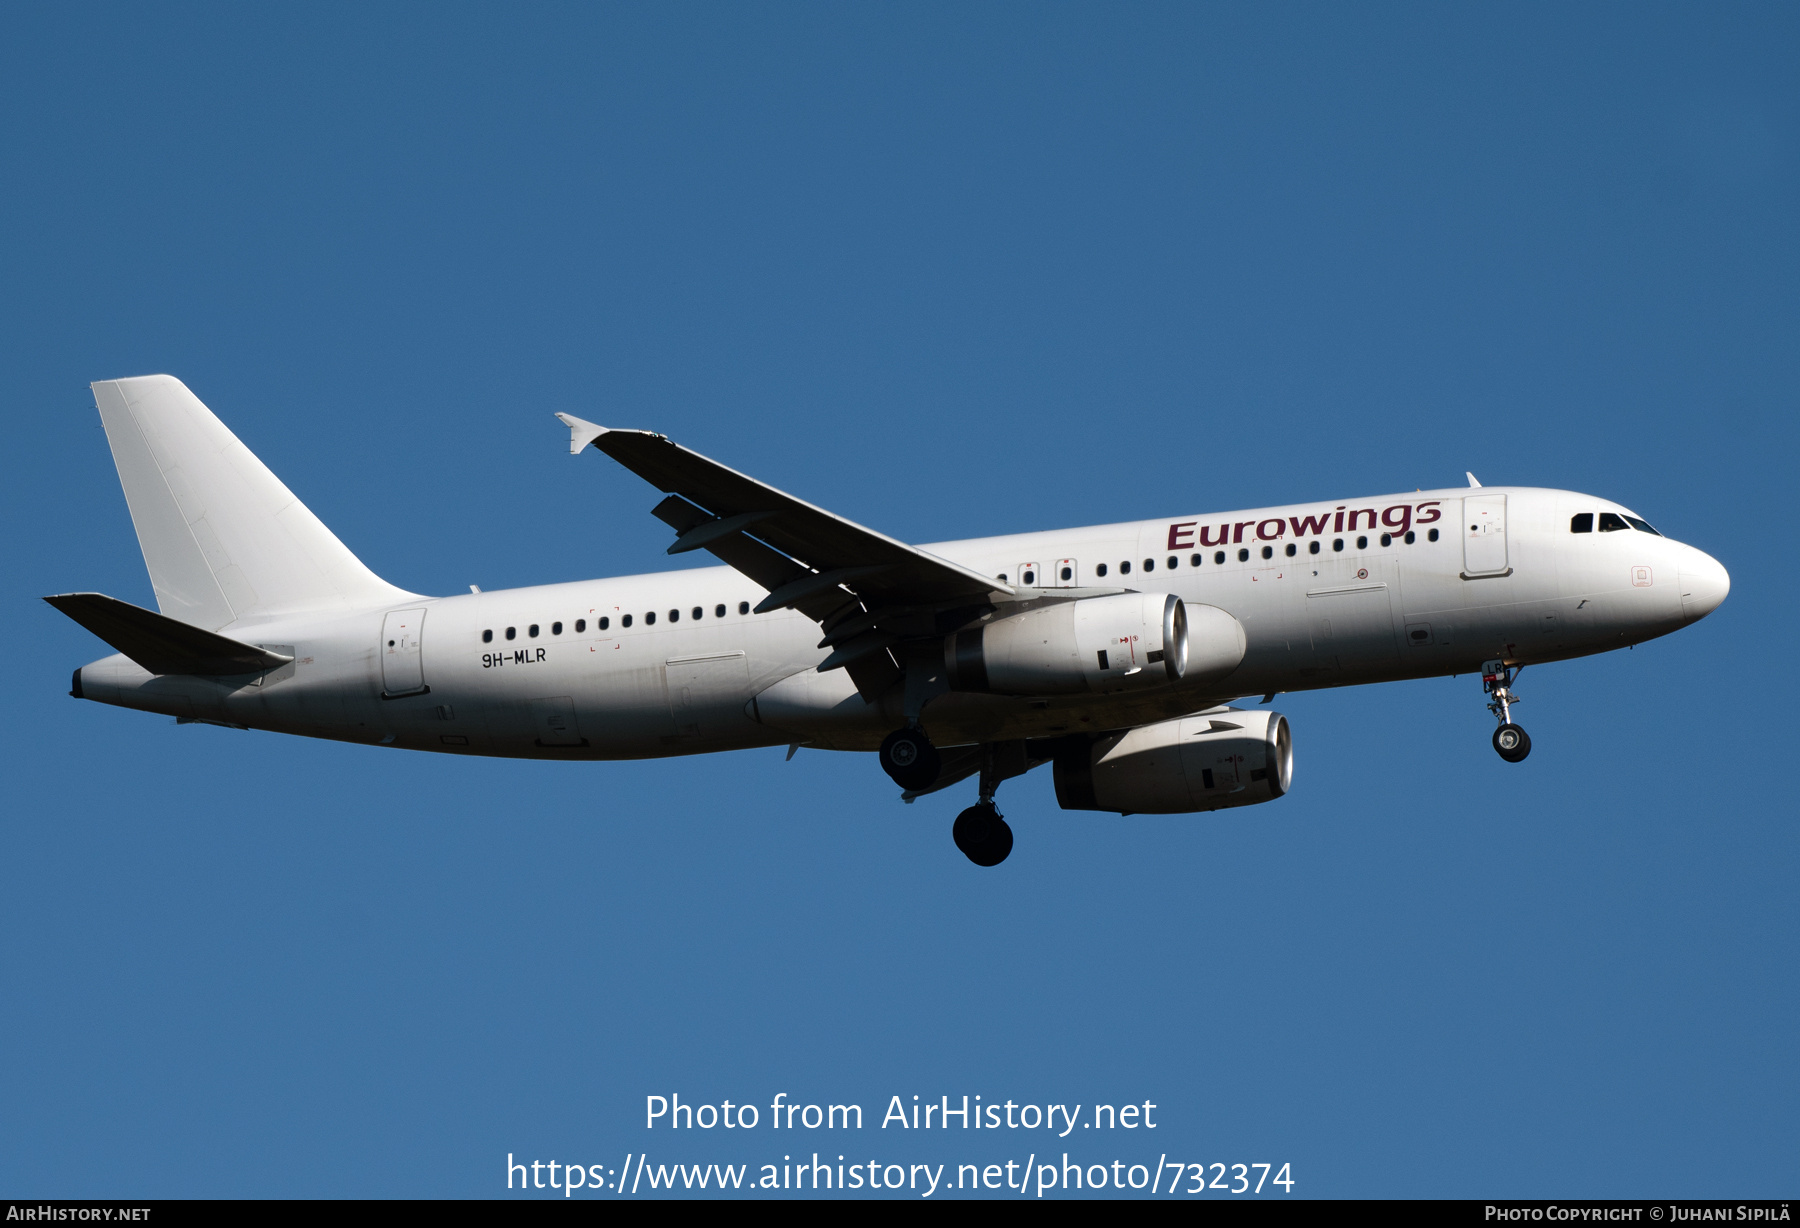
(1484, 535)
(402, 663)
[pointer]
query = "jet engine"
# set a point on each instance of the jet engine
(1126, 642)
(1224, 757)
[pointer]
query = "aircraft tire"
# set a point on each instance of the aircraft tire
(982, 835)
(1512, 743)
(908, 756)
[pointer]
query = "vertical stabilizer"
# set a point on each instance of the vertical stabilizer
(223, 538)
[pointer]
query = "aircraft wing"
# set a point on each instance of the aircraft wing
(865, 588)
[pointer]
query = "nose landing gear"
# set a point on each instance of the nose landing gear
(1511, 742)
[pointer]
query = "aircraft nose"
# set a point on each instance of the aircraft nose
(1704, 584)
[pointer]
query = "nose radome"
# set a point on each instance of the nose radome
(1704, 584)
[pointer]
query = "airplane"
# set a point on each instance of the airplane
(1113, 653)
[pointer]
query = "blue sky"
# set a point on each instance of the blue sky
(948, 270)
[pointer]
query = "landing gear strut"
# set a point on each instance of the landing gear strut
(1511, 741)
(980, 832)
(908, 756)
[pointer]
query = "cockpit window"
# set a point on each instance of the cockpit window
(1581, 522)
(1612, 522)
(1642, 526)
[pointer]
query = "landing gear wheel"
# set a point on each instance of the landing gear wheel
(908, 756)
(1512, 742)
(982, 835)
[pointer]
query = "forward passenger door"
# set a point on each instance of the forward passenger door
(1484, 535)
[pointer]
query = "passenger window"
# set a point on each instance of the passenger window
(719, 610)
(1268, 552)
(1312, 547)
(487, 637)
(512, 633)
(1243, 556)
(1337, 545)
(555, 628)
(1431, 536)
(743, 607)
(674, 616)
(1411, 537)
(1292, 550)
(1029, 577)
(626, 621)
(1387, 539)
(1099, 570)
(1642, 526)
(1173, 563)
(699, 612)
(1194, 560)
(1068, 573)
(532, 631)
(604, 622)
(1219, 557)
(1581, 522)
(1612, 522)
(1125, 568)
(1149, 564)
(580, 625)
(1362, 543)
(650, 618)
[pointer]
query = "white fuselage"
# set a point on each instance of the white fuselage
(554, 671)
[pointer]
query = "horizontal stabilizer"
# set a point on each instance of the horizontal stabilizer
(163, 645)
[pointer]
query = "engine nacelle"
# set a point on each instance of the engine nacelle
(1129, 641)
(1225, 757)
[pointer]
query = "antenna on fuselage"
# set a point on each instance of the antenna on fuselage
(1471, 478)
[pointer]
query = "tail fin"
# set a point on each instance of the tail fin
(221, 535)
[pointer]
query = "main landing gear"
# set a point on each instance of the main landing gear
(982, 834)
(908, 756)
(1511, 742)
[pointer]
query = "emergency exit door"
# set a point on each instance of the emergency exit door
(402, 663)
(1484, 535)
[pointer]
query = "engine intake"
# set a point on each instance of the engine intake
(1222, 758)
(1129, 641)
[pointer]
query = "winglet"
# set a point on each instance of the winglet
(1466, 473)
(581, 432)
